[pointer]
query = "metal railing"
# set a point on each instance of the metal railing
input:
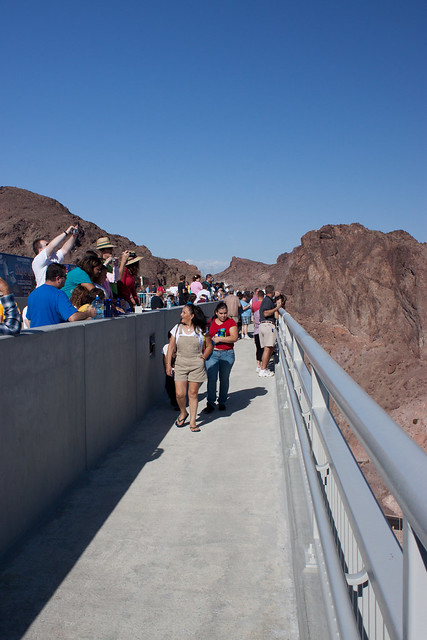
(144, 300)
(379, 589)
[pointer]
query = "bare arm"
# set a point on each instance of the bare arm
(88, 285)
(233, 337)
(209, 347)
(69, 243)
(125, 256)
(57, 242)
(271, 312)
(171, 349)
(82, 315)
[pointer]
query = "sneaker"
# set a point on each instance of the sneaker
(266, 373)
(258, 369)
(222, 407)
(209, 408)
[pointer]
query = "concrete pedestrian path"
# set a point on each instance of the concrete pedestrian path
(174, 536)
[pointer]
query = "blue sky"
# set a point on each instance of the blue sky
(206, 129)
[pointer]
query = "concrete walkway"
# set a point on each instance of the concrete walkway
(174, 536)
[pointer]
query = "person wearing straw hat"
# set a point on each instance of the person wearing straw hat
(115, 270)
(127, 283)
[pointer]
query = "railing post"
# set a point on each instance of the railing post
(414, 586)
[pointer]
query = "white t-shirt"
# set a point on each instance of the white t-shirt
(203, 292)
(41, 263)
(180, 334)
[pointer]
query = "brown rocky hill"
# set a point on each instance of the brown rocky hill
(25, 216)
(362, 295)
(246, 274)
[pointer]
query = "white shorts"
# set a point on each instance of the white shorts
(267, 334)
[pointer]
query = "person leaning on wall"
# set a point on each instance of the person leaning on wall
(49, 305)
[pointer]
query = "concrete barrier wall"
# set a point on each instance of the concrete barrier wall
(68, 394)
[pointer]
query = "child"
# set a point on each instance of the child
(170, 381)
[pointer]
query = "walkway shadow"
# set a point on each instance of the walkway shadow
(49, 552)
(237, 401)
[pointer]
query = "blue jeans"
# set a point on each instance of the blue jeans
(220, 362)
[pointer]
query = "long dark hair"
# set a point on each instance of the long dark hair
(199, 319)
(88, 264)
(133, 268)
(220, 305)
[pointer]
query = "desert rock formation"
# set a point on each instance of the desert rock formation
(362, 295)
(25, 216)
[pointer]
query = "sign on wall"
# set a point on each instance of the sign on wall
(17, 272)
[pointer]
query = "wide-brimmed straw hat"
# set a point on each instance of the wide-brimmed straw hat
(133, 260)
(105, 243)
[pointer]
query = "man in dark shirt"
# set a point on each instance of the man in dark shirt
(182, 291)
(267, 329)
(157, 301)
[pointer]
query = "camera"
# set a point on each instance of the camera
(132, 254)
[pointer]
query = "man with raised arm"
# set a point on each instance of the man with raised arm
(10, 320)
(56, 250)
(49, 305)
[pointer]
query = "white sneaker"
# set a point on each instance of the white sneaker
(266, 373)
(258, 369)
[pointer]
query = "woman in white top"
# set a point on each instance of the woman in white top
(193, 346)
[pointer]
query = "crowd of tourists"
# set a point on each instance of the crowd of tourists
(199, 349)
(202, 350)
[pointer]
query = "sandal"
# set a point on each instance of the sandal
(194, 429)
(181, 421)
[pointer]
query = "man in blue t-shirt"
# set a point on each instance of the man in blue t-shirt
(49, 305)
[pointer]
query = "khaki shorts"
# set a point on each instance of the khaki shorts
(190, 369)
(267, 334)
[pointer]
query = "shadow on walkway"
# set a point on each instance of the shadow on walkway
(237, 401)
(50, 551)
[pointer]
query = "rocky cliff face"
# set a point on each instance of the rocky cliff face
(25, 216)
(362, 295)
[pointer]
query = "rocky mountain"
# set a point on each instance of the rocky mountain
(362, 295)
(25, 216)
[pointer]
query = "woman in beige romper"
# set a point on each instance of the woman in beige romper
(188, 338)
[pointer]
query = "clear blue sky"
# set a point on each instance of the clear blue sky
(211, 128)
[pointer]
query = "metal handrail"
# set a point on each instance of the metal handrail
(399, 460)
(381, 579)
(344, 614)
